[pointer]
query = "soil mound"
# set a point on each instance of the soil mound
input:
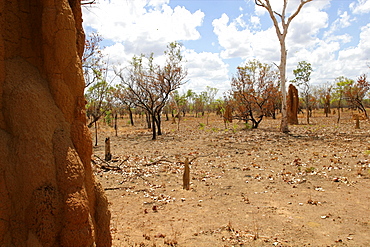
(48, 195)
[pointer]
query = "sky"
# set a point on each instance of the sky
(220, 35)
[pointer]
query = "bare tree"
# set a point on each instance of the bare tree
(93, 63)
(281, 32)
(324, 95)
(149, 87)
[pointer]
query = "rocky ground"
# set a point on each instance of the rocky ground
(259, 187)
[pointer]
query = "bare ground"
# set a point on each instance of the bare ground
(260, 187)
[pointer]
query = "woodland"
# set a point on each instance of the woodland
(93, 154)
(246, 187)
(191, 169)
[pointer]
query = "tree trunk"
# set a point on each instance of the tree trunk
(357, 119)
(115, 123)
(338, 112)
(131, 118)
(158, 123)
(148, 120)
(96, 134)
(282, 68)
(153, 127)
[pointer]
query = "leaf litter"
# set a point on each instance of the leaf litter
(257, 188)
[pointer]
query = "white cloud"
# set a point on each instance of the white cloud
(304, 28)
(344, 20)
(255, 21)
(361, 52)
(143, 26)
(235, 43)
(360, 7)
(277, 5)
(205, 69)
(329, 60)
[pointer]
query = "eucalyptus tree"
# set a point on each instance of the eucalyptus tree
(281, 32)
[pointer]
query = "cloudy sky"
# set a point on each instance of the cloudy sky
(219, 35)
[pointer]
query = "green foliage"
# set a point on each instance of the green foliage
(310, 169)
(302, 73)
(108, 117)
(248, 126)
(201, 126)
(341, 84)
(235, 127)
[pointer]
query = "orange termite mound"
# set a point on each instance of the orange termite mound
(48, 194)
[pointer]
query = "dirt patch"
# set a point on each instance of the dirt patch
(251, 187)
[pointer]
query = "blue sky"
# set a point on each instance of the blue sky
(218, 36)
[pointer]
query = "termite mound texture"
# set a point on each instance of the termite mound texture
(293, 102)
(48, 194)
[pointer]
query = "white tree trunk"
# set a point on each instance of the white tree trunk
(282, 67)
(281, 34)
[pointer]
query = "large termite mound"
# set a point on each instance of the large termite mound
(48, 195)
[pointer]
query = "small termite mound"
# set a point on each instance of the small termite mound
(186, 175)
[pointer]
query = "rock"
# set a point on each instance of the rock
(48, 194)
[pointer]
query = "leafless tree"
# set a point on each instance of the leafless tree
(149, 86)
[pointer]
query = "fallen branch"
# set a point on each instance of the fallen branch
(123, 161)
(200, 156)
(158, 161)
(106, 166)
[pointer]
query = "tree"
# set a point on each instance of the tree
(122, 96)
(281, 31)
(149, 86)
(93, 64)
(324, 95)
(96, 87)
(98, 103)
(356, 91)
(341, 84)
(253, 91)
(302, 78)
(199, 104)
(209, 96)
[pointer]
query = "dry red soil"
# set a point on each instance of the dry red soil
(259, 187)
